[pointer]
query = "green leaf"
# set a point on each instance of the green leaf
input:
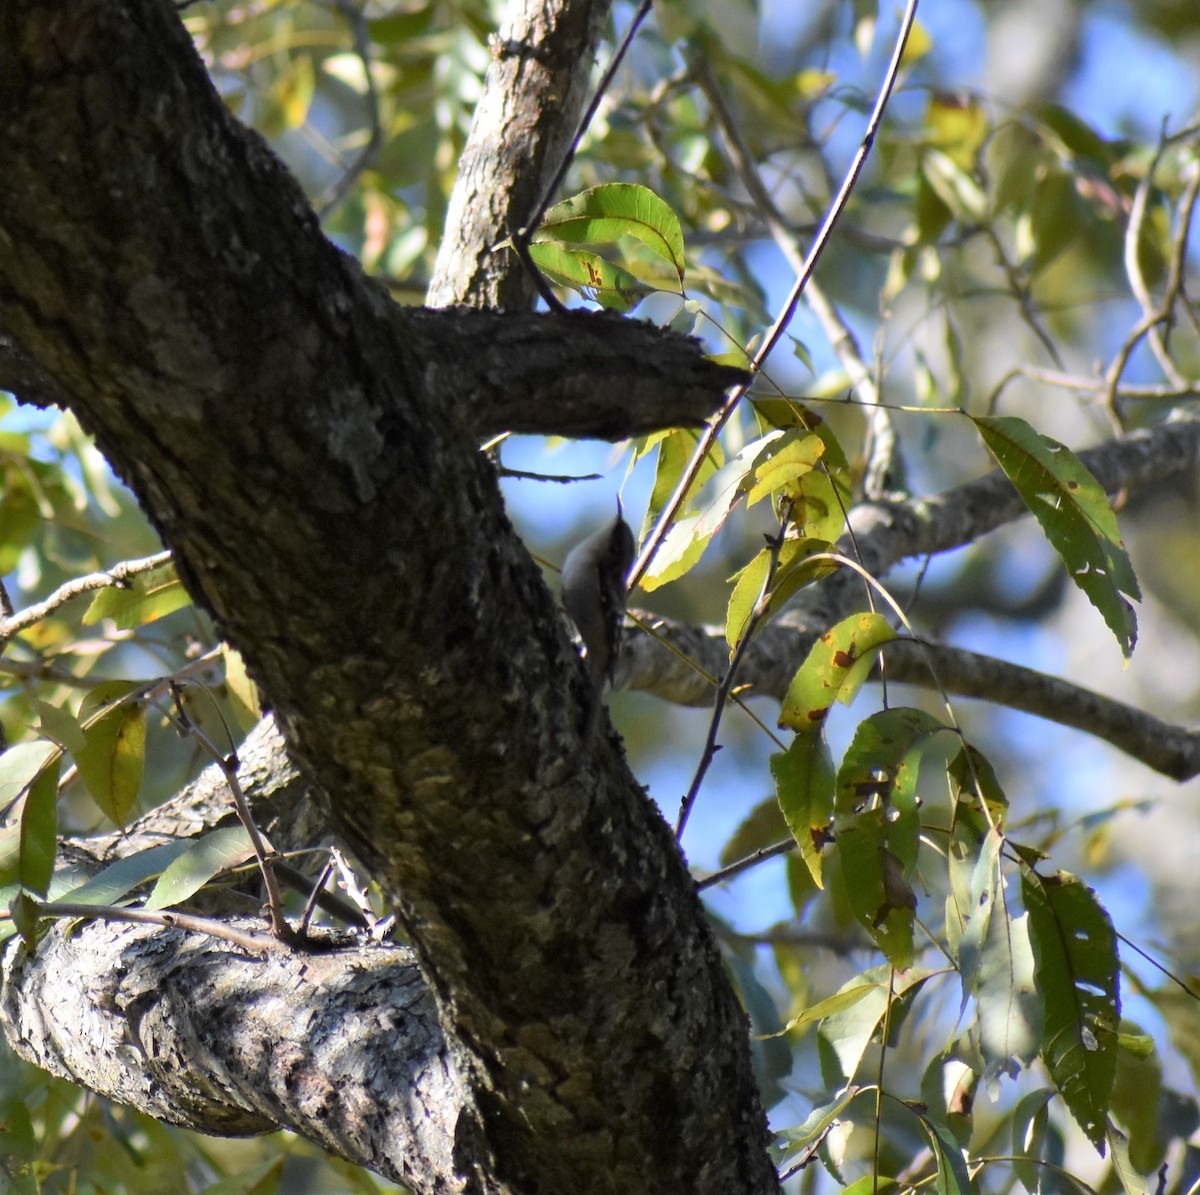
(794, 570)
(204, 859)
(590, 275)
(817, 1124)
(20, 765)
(952, 1175)
(804, 787)
(1030, 1120)
(688, 536)
(1078, 976)
(844, 1035)
(1075, 514)
(58, 725)
(836, 668)
(1133, 1182)
(845, 998)
(113, 758)
(955, 187)
(118, 879)
(603, 214)
(995, 959)
(148, 596)
(1137, 1099)
(878, 822)
(39, 830)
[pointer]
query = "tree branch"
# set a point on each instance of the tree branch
(292, 436)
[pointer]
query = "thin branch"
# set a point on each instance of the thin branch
(229, 769)
(362, 47)
(118, 576)
(1141, 393)
(214, 928)
(824, 233)
(837, 331)
(777, 651)
(761, 608)
(1153, 315)
(746, 862)
(521, 236)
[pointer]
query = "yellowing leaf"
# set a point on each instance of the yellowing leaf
(1075, 514)
(114, 754)
(148, 597)
(836, 668)
(794, 569)
(791, 458)
(594, 278)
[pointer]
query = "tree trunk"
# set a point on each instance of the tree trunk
(297, 441)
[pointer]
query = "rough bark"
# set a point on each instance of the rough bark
(532, 100)
(290, 435)
(342, 1045)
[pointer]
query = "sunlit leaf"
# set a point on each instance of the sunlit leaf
(795, 455)
(878, 823)
(955, 187)
(845, 998)
(1075, 514)
(689, 535)
(58, 725)
(113, 758)
(1078, 976)
(844, 1035)
(1030, 1144)
(836, 668)
(816, 1124)
(1133, 1181)
(20, 765)
(590, 275)
(1137, 1101)
(603, 214)
(147, 597)
(794, 569)
(118, 879)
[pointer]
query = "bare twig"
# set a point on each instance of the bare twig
(725, 687)
(119, 576)
(1153, 315)
(229, 768)
(215, 928)
(746, 862)
(521, 236)
(362, 47)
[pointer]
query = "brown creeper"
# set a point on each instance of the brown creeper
(594, 592)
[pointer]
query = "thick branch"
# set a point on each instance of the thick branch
(342, 1046)
(578, 374)
(772, 660)
(533, 96)
(291, 435)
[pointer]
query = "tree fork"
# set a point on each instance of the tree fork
(292, 439)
